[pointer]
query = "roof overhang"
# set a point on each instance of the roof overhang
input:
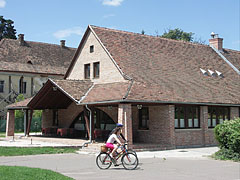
(50, 96)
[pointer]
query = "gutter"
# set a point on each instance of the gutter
(225, 59)
(158, 102)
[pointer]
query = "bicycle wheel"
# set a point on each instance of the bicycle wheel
(103, 161)
(132, 151)
(129, 161)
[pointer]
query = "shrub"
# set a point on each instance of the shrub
(228, 135)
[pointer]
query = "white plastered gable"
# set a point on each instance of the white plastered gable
(109, 71)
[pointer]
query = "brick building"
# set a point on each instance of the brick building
(167, 93)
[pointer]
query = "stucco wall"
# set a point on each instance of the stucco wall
(108, 71)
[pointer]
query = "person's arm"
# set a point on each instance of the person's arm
(118, 141)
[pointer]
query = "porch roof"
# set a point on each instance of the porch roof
(59, 94)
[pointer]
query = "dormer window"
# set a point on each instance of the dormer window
(96, 70)
(87, 71)
(91, 48)
(29, 62)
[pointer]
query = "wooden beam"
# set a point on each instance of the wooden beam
(29, 122)
(86, 120)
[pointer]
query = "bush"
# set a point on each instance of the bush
(228, 136)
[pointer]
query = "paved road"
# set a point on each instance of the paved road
(79, 166)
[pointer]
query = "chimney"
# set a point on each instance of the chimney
(21, 39)
(216, 41)
(62, 43)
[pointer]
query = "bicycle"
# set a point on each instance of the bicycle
(128, 159)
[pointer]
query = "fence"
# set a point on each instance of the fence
(36, 125)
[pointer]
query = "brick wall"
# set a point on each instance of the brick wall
(10, 123)
(161, 126)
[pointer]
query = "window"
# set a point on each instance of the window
(1, 86)
(96, 71)
(91, 48)
(143, 115)
(22, 86)
(87, 71)
(187, 117)
(216, 115)
(55, 117)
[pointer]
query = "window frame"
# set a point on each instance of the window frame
(2, 83)
(55, 117)
(87, 70)
(22, 86)
(211, 109)
(140, 118)
(91, 49)
(185, 110)
(96, 68)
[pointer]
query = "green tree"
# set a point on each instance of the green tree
(19, 113)
(7, 29)
(178, 34)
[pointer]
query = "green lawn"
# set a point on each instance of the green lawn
(19, 151)
(23, 173)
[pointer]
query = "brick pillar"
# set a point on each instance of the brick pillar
(10, 123)
(171, 114)
(234, 112)
(125, 118)
(204, 123)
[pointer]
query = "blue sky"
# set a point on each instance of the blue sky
(52, 20)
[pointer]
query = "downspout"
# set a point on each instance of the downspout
(90, 128)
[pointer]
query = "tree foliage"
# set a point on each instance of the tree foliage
(228, 135)
(19, 113)
(7, 29)
(178, 34)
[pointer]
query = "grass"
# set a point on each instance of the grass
(23, 173)
(20, 151)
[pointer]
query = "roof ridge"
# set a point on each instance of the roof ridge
(36, 42)
(150, 36)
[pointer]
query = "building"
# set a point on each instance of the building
(25, 66)
(167, 93)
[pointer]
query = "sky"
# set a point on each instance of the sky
(50, 21)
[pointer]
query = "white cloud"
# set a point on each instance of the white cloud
(2, 3)
(108, 16)
(112, 2)
(68, 32)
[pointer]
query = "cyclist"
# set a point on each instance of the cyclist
(118, 125)
(114, 136)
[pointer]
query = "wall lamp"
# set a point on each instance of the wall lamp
(139, 106)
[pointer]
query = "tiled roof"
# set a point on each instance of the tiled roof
(107, 92)
(169, 70)
(34, 57)
(19, 105)
(75, 88)
(233, 56)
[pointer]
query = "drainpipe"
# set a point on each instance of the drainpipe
(90, 127)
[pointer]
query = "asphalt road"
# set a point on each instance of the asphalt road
(79, 166)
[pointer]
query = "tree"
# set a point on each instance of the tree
(7, 29)
(178, 34)
(19, 113)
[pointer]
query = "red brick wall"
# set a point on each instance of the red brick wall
(161, 126)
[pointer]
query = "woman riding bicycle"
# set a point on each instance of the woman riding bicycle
(114, 137)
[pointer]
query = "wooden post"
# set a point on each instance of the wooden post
(10, 123)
